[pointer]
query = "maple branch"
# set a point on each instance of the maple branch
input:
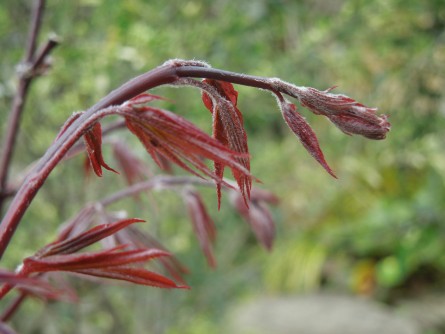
(168, 73)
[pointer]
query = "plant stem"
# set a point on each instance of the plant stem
(153, 183)
(31, 63)
(13, 307)
(165, 74)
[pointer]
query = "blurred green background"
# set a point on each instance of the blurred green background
(376, 231)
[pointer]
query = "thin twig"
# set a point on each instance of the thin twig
(29, 70)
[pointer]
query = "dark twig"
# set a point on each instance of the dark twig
(31, 67)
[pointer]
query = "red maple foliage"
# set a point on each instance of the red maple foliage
(169, 139)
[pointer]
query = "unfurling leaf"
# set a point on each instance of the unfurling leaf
(220, 99)
(168, 135)
(347, 114)
(303, 131)
(203, 225)
(93, 144)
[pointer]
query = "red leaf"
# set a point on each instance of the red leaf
(347, 114)
(139, 239)
(78, 224)
(91, 260)
(259, 216)
(133, 168)
(143, 98)
(93, 143)
(134, 275)
(179, 141)
(72, 245)
(203, 225)
(134, 236)
(110, 263)
(228, 128)
(35, 286)
(303, 131)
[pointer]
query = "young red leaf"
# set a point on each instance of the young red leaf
(132, 167)
(111, 263)
(91, 260)
(139, 276)
(258, 215)
(93, 144)
(347, 114)
(220, 99)
(139, 239)
(181, 142)
(203, 225)
(78, 224)
(73, 244)
(303, 131)
(35, 286)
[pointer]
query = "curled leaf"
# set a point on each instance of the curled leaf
(303, 131)
(93, 144)
(347, 114)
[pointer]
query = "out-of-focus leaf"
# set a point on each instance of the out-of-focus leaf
(258, 215)
(36, 286)
(132, 167)
(203, 225)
